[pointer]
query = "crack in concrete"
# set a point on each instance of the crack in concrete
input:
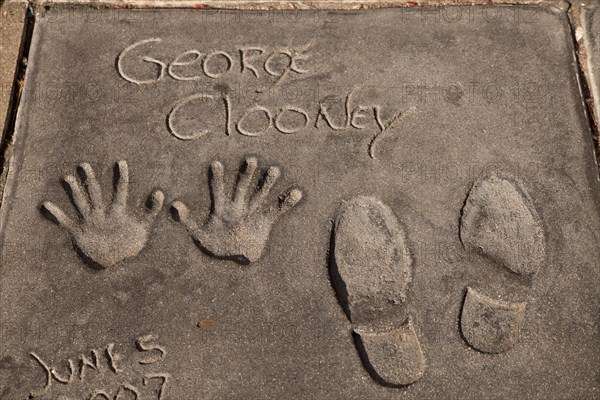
(6, 145)
(583, 75)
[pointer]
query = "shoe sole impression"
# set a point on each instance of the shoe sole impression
(371, 269)
(499, 222)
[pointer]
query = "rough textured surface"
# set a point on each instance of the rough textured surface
(489, 325)
(410, 119)
(499, 221)
(12, 20)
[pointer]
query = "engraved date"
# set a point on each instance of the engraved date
(106, 361)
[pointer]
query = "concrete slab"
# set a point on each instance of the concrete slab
(12, 21)
(371, 204)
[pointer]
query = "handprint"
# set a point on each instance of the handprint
(238, 228)
(105, 235)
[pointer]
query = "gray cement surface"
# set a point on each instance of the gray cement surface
(176, 223)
